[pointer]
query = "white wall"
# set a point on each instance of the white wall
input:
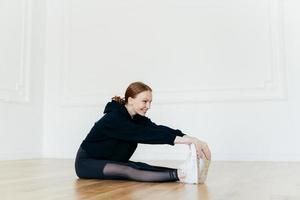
(21, 78)
(224, 71)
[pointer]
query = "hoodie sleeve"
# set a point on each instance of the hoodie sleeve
(125, 129)
(177, 132)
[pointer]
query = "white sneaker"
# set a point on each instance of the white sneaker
(203, 165)
(190, 167)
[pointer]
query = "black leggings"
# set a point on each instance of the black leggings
(91, 168)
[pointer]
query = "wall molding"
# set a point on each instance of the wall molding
(273, 88)
(20, 92)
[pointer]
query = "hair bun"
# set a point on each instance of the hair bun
(118, 99)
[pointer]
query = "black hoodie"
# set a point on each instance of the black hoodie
(116, 135)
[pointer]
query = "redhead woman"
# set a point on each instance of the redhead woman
(105, 152)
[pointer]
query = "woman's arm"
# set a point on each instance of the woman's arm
(122, 128)
(147, 121)
(201, 147)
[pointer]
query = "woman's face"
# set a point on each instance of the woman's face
(141, 103)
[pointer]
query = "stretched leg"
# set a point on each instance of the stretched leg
(145, 166)
(125, 171)
(87, 167)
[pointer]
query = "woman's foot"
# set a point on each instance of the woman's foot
(188, 171)
(181, 175)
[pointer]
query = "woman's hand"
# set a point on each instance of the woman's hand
(201, 147)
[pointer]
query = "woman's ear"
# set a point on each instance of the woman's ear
(130, 100)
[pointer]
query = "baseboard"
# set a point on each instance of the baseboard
(219, 157)
(20, 155)
(181, 155)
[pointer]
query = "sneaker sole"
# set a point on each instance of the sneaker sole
(203, 166)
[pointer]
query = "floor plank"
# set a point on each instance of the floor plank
(55, 179)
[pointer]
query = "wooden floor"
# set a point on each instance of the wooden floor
(55, 179)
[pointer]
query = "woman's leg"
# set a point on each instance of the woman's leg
(87, 167)
(145, 166)
(117, 170)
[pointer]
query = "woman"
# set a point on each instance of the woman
(106, 150)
